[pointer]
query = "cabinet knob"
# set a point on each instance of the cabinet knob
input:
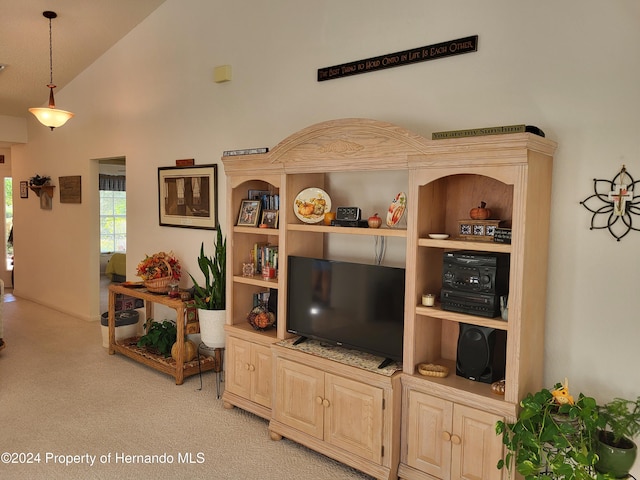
(319, 400)
(252, 368)
(247, 366)
(456, 440)
(325, 403)
(446, 436)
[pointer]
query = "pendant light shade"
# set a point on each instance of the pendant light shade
(51, 116)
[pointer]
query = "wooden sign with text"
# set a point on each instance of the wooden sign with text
(406, 57)
(70, 189)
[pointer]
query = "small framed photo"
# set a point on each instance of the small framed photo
(270, 218)
(257, 194)
(24, 190)
(249, 213)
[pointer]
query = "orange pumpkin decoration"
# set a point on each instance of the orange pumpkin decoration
(190, 351)
(480, 212)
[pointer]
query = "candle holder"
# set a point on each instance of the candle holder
(428, 299)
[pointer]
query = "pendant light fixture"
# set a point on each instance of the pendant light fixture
(51, 117)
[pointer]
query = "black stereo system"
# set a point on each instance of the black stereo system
(473, 282)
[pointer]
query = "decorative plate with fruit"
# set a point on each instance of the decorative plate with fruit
(311, 204)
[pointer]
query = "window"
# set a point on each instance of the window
(8, 220)
(113, 221)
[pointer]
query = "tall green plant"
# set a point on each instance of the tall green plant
(212, 295)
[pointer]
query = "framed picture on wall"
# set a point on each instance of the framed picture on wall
(24, 190)
(188, 196)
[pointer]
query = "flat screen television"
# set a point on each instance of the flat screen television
(353, 305)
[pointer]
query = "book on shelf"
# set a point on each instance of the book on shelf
(261, 298)
(264, 254)
(476, 132)
(270, 202)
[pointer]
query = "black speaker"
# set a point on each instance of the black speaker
(481, 353)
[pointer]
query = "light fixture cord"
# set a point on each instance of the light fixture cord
(50, 55)
(380, 247)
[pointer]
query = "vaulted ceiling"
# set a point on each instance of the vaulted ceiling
(82, 32)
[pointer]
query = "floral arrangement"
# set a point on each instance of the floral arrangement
(159, 265)
(39, 181)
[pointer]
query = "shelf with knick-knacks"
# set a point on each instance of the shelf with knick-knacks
(40, 183)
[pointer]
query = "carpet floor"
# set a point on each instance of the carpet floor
(68, 410)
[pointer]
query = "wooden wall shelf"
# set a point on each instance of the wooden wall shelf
(42, 188)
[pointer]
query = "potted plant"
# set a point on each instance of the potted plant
(160, 337)
(620, 423)
(553, 436)
(210, 297)
(39, 181)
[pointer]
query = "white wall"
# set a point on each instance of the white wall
(570, 68)
(12, 130)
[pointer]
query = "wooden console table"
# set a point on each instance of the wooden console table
(177, 368)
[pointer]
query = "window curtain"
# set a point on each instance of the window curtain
(114, 183)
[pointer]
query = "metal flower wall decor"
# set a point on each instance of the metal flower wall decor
(613, 204)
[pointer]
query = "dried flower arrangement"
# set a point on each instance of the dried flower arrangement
(159, 265)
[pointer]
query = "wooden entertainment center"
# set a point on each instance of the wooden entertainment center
(403, 424)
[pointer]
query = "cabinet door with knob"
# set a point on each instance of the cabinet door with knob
(299, 397)
(475, 446)
(249, 375)
(342, 413)
(449, 441)
(354, 419)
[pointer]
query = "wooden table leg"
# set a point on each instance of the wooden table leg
(180, 319)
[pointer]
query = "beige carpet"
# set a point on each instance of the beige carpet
(63, 398)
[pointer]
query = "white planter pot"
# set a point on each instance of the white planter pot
(212, 327)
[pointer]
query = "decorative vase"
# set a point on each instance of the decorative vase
(212, 327)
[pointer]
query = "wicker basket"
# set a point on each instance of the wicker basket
(431, 370)
(158, 285)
